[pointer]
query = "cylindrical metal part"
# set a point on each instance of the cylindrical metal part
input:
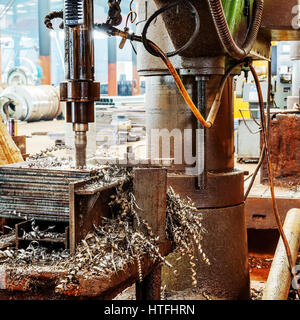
(167, 110)
(220, 138)
(31, 103)
(279, 279)
(79, 91)
(201, 134)
(80, 143)
(225, 245)
(168, 115)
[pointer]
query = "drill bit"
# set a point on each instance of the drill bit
(80, 131)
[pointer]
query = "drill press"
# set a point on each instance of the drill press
(79, 91)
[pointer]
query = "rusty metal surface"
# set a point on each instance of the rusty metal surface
(87, 207)
(278, 14)
(285, 151)
(38, 282)
(210, 46)
(277, 20)
(223, 189)
(258, 207)
(37, 193)
(225, 245)
(150, 287)
(150, 191)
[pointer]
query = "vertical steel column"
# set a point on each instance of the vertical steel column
(201, 134)
(80, 91)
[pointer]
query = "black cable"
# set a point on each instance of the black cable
(160, 11)
(263, 151)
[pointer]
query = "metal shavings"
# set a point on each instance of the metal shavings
(7, 239)
(106, 176)
(118, 242)
(121, 240)
(46, 152)
(37, 234)
(34, 253)
(184, 228)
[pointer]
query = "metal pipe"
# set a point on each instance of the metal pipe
(217, 12)
(279, 279)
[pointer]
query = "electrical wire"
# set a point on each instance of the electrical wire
(244, 120)
(270, 173)
(216, 104)
(146, 43)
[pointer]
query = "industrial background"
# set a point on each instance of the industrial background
(149, 149)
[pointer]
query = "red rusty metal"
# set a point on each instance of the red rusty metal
(285, 150)
(39, 282)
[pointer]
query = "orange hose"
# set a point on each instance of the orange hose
(180, 86)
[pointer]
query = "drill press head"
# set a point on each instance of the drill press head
(79, 91)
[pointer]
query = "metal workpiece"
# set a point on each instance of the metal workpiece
(37, 193)
(79, 91)
(225, 245)
(30, 103)
(279, 279)
(152, 197)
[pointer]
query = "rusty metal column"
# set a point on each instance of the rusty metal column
(150, 190)
(80, 91)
